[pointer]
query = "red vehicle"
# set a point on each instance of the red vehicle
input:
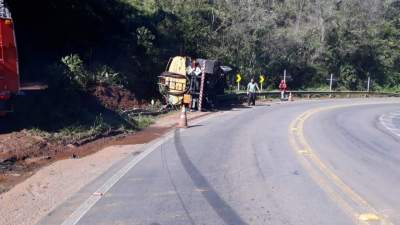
(9, 73)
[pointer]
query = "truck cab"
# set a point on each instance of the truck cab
(9, 72)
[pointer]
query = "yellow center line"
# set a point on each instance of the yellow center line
(359, 210)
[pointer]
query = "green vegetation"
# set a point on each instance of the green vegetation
(78, 134)
(134, 38)
(75, 44)
(143, 121)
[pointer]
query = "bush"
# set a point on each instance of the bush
(106, 75)
(76, 71)
(348, 77)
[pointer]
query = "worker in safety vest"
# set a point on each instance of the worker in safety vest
(251, 92)
(282, 88)
(194, 73)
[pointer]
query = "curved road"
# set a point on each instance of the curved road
(302, 163)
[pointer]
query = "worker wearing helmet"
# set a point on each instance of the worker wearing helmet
(251, 92)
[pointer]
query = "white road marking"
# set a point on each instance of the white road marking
(81, 211)
(387, 118)
(387, 121)
(77, 215)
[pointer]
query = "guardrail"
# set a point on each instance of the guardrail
(309, 94)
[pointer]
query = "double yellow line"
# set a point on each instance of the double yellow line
(357, 208)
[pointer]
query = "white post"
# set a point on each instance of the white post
(238, 86)
(203, 77)
(331, 83)
(369, 83)
(284, 76)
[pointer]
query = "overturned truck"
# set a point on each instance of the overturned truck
(182, 82)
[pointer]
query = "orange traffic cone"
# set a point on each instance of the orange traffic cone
(290, 97)
(183, 123)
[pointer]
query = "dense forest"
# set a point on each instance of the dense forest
(73, 44)
(311, 39)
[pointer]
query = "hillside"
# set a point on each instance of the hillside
(77, 47)
(351, 39)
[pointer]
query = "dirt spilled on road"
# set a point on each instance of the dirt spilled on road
(32, 153)
(23, 151)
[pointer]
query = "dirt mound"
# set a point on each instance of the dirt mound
(115, 97)
(22, 151)
(20, 145)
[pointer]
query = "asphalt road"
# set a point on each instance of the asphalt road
(301, 163)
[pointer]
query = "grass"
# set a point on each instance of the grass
(143, 121)
(78, 133)
(389, 89)
(319, 88)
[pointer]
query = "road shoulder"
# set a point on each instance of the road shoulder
(39, 195)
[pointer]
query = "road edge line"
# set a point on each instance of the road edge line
(296, 135)
(83, 208)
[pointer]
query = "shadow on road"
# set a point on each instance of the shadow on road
(224, 211)
(230, 107)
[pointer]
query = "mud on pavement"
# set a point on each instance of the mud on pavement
(22, 154)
